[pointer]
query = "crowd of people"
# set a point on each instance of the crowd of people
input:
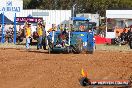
(40, 34)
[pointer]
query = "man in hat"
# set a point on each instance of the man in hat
(40, 34)
(28, 34)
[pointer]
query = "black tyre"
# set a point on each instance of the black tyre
(130, 44)
(84, 81)
(90, 52)
(93, 50)
(67, 50)
(78, 47)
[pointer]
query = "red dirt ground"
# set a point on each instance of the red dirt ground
(22, 69)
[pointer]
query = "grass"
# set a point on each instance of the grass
(98, 47)
(12, 45)
(113, 47)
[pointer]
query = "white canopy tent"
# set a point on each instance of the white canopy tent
(124, 16)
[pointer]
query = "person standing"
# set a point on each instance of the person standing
(44, 37)
(61, 28)
(71, 27)
(40, 33)
(28, 35)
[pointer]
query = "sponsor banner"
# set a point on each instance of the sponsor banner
(29, 19)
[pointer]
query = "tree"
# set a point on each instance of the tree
(82, 6)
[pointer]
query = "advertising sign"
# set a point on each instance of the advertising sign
(11, 5)
(29, 19)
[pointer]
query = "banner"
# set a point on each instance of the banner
(11, 5)
(29, 19)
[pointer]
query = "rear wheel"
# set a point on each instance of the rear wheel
(90, 52)
(93, 50)
(68, 49)
(78, 47)
(130, 44)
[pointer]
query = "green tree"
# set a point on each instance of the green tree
(82, 6)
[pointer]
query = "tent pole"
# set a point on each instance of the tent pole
(2, 40)
(15, 29)
(106, 27)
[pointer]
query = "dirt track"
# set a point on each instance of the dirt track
(22, 69)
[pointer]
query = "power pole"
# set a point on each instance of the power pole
(73, 10)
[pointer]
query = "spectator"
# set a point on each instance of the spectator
(28, 35)
(40, 34)
(61, 28)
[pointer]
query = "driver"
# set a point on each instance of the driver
(82, 27)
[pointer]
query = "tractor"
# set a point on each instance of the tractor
(76, 40)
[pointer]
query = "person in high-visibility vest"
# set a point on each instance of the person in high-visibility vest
(40, 34)
(82, 27)
(117, 33)
(71, 27)
(54, 28)
(28, 35)
(61, 28)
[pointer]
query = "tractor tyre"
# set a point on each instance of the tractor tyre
(130, 44)
(67, 49)
(78, 47)
(90, 52)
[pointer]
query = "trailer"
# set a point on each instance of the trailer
(75, 41)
